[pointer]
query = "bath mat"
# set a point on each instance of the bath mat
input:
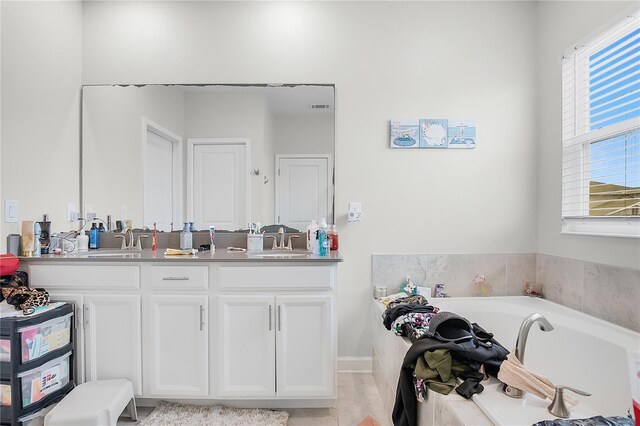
(171, 414)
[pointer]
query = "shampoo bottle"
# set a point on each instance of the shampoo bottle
(186, 241)
(94, 242)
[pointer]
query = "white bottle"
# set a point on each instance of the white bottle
(83, 241)
(186, 241)
(313, 243)
(311, 231)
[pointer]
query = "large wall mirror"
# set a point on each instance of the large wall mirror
(221, 155)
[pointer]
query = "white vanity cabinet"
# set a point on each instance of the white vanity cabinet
(175, 330)
(279, 344)
(259, 331)
(107, 300)
(112, 338)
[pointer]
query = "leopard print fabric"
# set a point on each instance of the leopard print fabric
(17, 293)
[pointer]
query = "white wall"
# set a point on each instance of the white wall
(561, 25)
(113, 161)
(40, 132)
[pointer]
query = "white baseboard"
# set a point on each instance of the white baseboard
(354, 364)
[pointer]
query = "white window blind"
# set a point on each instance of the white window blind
(601, 134)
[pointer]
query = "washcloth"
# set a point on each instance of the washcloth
(513, 373)
(175, 252)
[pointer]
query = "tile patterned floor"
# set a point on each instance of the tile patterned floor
(357, 398)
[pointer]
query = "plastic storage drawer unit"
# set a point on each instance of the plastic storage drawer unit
(36, 362)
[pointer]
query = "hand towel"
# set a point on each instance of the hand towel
(513, 373)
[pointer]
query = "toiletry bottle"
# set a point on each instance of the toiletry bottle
(101, 227)
(311, 229)
(83, 241)
(186, 241)
(212, 236)
(192, 227)
(332, 235)
(93, 237)
(313, 237)
(36, 239)
(322, 238)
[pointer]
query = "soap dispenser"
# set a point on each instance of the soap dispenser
(186, 241)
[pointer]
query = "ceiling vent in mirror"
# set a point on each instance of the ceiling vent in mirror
(319, 106)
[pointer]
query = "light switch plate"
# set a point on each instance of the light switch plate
(11, 211)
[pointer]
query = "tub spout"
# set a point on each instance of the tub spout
(521, 344)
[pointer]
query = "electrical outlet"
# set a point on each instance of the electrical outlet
(355, 212)
(72, 212)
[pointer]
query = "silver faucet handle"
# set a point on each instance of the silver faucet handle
(558, 407)
(123, 246)
(138, 245)
(273, 246)
(290, 245)
(281, 233)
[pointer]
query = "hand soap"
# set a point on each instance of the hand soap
(323, 243)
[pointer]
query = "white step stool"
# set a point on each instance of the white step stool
(98, 403)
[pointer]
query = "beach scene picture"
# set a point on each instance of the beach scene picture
(433, 133)
(461, 134)
(404, 134)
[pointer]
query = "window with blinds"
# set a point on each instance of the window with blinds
(601, 134)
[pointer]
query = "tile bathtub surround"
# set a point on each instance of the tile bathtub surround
(607, 292)
(505, 274)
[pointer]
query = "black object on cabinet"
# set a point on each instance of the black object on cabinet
(36, 362)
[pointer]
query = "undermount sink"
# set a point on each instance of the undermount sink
(278, 254)
(123, 254)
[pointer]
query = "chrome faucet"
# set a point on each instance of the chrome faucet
(521, 344)
(282, 246)
(127, 235)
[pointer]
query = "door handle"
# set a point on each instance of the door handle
(201, 317)
(175, 278)
(279, 318)
(269, 317)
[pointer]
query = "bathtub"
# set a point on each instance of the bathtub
(582, 352)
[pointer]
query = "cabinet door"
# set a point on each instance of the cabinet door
(305, 350)
(113, 338)
(176, 346)
(78, 330)
(246, 346)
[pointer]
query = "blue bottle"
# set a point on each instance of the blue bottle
(94, 241)
(323, 243)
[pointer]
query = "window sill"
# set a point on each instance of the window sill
(602, 227)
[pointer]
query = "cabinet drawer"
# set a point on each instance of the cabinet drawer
(85, 276)
(180, 277)
(276, 277)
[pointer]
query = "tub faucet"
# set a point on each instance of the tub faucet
(521, 343)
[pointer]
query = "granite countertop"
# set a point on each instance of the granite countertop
(220, 255)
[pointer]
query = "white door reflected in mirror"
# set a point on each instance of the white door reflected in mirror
(303, 185)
